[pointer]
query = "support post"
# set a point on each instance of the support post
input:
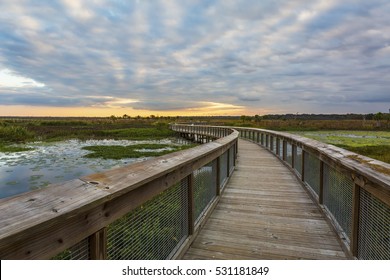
(303, 165)
(191, 205)
(355, 219)
(321, 194)
(98, 245)
(218, 188)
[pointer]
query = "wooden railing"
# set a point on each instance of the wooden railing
(352, 190)
(148, 210)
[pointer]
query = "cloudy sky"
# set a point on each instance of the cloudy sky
(187, 57)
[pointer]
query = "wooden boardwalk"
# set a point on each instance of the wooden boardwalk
(265, 213)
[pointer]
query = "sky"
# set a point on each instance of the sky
(187, 57)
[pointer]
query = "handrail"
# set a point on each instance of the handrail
(351, 189)
(152, 209)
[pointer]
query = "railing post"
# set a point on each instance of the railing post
(98, 245)
(218, 188)
(303, 165)
(355, 219)
(293, 151)
(228, 162)
(321, 191)
(191, 205)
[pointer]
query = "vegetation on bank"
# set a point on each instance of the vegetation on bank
(132, 151)
(23, 130)
(373, 144)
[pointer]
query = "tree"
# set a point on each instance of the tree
(257, 118)
(378, 117)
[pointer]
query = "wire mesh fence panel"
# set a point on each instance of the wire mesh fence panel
(231, 159)
(79, 251)
(153, 230)
(267, 141)
(262, 139)
(223, 172)
(298, 160)
(289, 154)
(374, 228)
(312, 172)
(204, 188)
(338, 197)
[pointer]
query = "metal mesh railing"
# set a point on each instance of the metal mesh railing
(79, 251)
(338, 197)
(374, 228)
(312, 172)
(298, 160)
(204, 187)
(223, 169)
(152, 230)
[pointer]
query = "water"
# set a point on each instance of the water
(57, 162)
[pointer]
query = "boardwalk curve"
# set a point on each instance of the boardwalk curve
(265, 213)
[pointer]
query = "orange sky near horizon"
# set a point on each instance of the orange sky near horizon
(44, 111)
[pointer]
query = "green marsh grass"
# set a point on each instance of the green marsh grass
(132, 151)
(373, 144)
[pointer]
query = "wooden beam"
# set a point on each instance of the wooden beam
(321, 191)
(191, 205)
(355, 220)
(98, 245)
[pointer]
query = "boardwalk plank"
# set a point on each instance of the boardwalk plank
(265, 213)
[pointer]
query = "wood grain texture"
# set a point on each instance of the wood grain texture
(264, 213)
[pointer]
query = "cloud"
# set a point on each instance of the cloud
(182, 55)
(9, 79)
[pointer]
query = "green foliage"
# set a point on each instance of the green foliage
(373, 144)
(12, 149)
(131, 151)
(151, 231)
(64, 123)
(136, 133)
(13, 133)
(379, 152)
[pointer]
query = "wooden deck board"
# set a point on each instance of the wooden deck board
(264, 213)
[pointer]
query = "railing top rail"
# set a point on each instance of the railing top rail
(35, 211)
(375, 171)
